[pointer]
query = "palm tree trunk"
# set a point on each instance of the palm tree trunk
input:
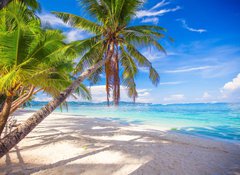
(2, 100)
(3, 3)
(116, 90)
(13, 138)
(17, 103)
(5, 113)
(107, 70)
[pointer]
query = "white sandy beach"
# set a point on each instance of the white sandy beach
(68, 144)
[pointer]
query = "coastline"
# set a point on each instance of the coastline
(75, 144)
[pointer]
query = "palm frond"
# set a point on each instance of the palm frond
(79, 22)
(96, 76)
(140, 59)
(130, 68)
(95, 53)
(84, 92)
(146, 28)
(97, 9)
(82, 46)
(154, 76)
(143, 41)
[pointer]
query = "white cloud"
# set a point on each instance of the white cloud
(71, 35)
(52, 20)
(233, 85)
(144, 69)
(144, 96)
(231, 90)
(153, 13)
(184, 24)
(189, 69)
(175, 98)
(76, 34)
(99, 95)
(160, 4)
(150, 20)
(42, 97)
(206, 95)
(206, 98)
(153, 54)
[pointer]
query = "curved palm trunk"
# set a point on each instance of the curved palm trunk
(10, 140)
(17, 103)
(13, 105)
(5, 113)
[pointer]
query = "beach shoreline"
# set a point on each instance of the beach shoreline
(75, 144)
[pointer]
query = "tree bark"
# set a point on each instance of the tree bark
(116, 86)
(4, 3)
(5, 113)
(17, 103)
(13, 138)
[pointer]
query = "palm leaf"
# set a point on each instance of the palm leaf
(79, 22)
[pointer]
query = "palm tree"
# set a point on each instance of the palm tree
(102, 46)
(112, 26)
(32, 59)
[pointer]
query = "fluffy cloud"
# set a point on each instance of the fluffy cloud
(206, 95)
(231, 90)
(71, 35)
(184, 24)
(150, 20)
(99, 95)
(152, 54)
(52, 20)
(76, 34)
(42, 97)
(232, 85)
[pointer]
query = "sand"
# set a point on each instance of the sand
(70, 144)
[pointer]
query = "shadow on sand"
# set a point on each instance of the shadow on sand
(138, 152)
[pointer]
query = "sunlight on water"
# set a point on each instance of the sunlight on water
(215, 120)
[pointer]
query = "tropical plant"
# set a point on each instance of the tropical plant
(32, 4)
(120, 13)
(32, 59)
(112, 26)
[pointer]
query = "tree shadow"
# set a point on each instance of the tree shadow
(10, 166)
(137, 152)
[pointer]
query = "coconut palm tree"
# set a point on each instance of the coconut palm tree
(105, 46)
(112, 26)
(32, 59)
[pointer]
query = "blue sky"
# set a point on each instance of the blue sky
(201, 65)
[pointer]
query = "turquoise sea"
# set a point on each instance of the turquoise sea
(220, 120)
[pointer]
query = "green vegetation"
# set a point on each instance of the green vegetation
(35, 59)
(32, 59)
(32, 4)
(112, 27)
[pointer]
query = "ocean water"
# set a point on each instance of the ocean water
(218, 120)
